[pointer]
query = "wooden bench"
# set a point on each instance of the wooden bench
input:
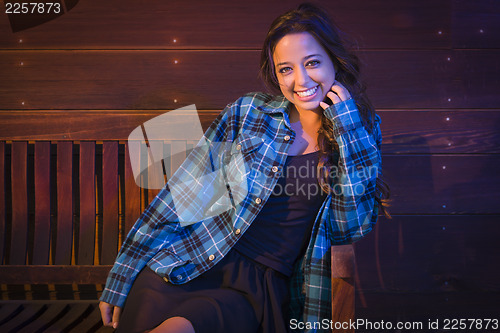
(67, 199)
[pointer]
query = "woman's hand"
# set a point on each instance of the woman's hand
(110, 314)
(338, 93)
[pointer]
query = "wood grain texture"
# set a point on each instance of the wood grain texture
(110, 202)
(132, 194)
(219, 24)
(342, 277)
(54, 274)
(64, 243)
(343, 302)
(414, 79)
(19, 234)
(443, 184)
(475, 24)
(41, 248)
(430, 253)
(86, 241)
(3, 236)
(432, 131)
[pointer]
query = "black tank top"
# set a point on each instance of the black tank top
(281, 231)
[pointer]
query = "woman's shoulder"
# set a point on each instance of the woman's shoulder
(260, 100)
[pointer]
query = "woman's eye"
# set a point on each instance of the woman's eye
(284, 70)
(312, 63)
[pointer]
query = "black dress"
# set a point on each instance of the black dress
(247, 291)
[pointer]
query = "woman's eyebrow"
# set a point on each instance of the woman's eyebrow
(305, 58)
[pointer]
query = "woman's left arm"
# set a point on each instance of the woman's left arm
(352, 210)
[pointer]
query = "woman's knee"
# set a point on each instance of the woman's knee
(175, 325)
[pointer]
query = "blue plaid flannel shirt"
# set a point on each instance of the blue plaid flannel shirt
(258, 125)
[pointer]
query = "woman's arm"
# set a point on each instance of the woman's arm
(353, 209)
(158, 225)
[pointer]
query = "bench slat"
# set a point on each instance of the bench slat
(53, 312)
(155, 169)
(75, 313)
(93, 323)
(29, 313)
(342, 274)
(64, 203)
(2, 200)
(41, 244)
(110, 202)
(54, 274)
(7, 311)
(19, 236)
(86, 241)
(132, 193)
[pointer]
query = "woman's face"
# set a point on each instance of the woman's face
(305, 71)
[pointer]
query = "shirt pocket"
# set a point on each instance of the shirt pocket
(245, 144)
(235, 171)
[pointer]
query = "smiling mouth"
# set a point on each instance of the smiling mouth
(307, 93)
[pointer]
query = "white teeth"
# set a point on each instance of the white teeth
(307, 92)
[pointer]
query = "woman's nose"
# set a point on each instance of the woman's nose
(301, 77)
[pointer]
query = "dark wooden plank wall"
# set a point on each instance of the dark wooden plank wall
(432, 68)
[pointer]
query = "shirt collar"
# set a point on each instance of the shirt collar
(278, 104)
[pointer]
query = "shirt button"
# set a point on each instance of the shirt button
(274, 168)
(237, 231)
(211, 257)
(258, 201)
(287, 137)
(238, 147)
(179, 277)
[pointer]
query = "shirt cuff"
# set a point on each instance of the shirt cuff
(344, 116)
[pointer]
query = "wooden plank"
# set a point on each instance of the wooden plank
(132, 193)
(207, 25)
(404, 131)
(19, 235)
(8, 311)
(342, 275)
(69, 125)
(76, 313)
(475, 25)
(177, 159)
(415, 79)
(86, 242)
(64, 203)
(156, 179)
(110, 202)
(476, 78)
(435, 131)
(430, 253)
(41, 247)
(443, 184)
(53, 312)
(3, 237)
(28, 314)
(54, 274)
(91, 322)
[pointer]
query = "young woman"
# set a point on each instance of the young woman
(312, 176)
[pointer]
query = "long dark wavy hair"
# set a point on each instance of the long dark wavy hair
(311, 18)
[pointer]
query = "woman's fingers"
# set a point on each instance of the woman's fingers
(110, 314)
(333, 97)
(338, 93)
(341, 91)
(116, 316)
(106, 313)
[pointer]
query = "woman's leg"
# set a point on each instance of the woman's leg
(174, 325)
(146, 306)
